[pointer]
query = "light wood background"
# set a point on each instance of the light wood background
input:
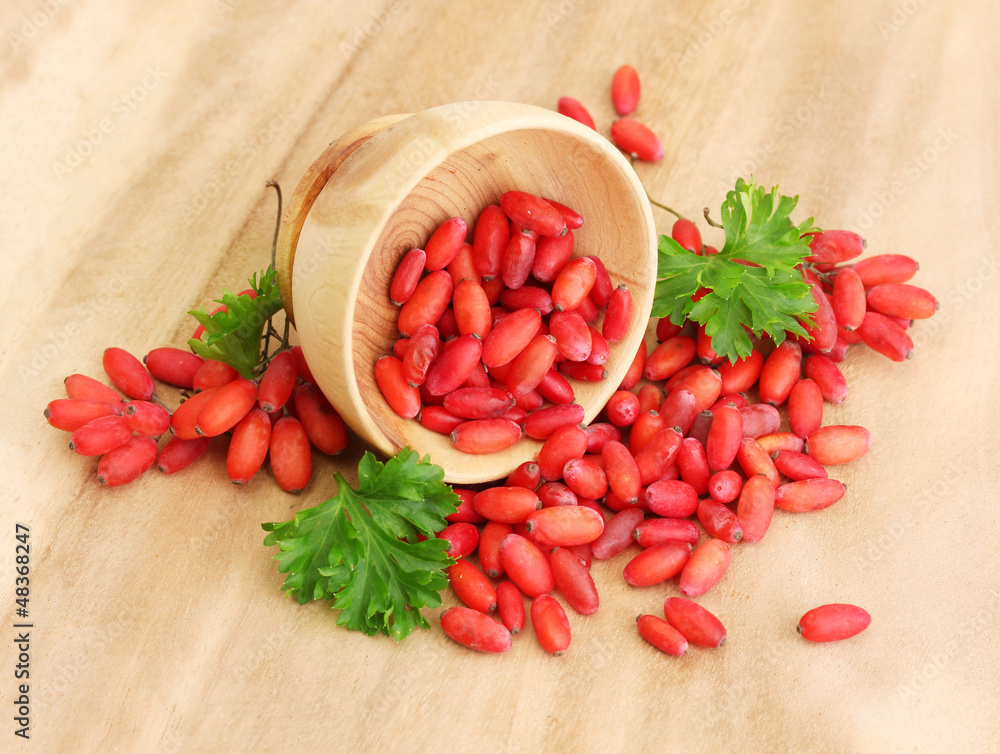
(137, 139)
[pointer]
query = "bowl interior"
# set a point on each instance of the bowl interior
(551, 162)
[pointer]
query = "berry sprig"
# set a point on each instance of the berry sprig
(264, 400)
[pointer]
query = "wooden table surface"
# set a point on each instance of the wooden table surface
(137, 141)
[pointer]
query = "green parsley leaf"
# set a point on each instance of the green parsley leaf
(771, 299)
(233, 334)
(361, 550)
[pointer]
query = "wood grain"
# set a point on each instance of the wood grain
(138, 141)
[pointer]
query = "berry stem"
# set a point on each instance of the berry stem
(710, 221)
(274, 246)
(652, 201)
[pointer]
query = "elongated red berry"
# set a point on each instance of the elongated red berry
(805, 407)
(885, 268)
(834, 246)
(490, 238)
(324, 426)
(518, 259)
(740, 376)
(147, 418)
(808, 495)
(572, 334)
(586, 478)
(472, 586)
(724, 486)
(672, 498)
(178, 454)
(633, 137)
(444, 244)
(822, 333)
(753, 459)
(622, 472)
(531, 365)
(573, 283)
(657, 564)
(551, 255)
(617, 533)
(214, 374)
(126, 462)
(724, 437)
(881, 334)
(644, 429)
(462, 539)
(625, 90)
(489, 546)
(618, 316)
(428, 302)
(573, 579)
(833, 622)
(562, 446)
(290, 454)
(82, 387)
(509, 337)
(482, 436)
(573, 218)
(475, 630)
(248, 446)
(848, 299)
(572, 108)
(542, 422)
(838, 443)
(69, 414)
(828, 377)
(550, 623)
(755, 508)
(533, 213)
(100, 436)
(564, 526)
(407, 275)
(656, 531)
(705, 568)
(687, 235)
(277, 382)
(776, 441)
(174, 366)
(512, 505)
(902, 300)
(128, 374)
(695, 623)
(797, 466)
(780, 373)
(719, 520)
(662, 635)
(225, 409)
(183, 423)
(526, 565)
(510, 606)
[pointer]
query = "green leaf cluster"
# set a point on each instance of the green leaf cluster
(361, 548)
(233, 334)
(752, 284)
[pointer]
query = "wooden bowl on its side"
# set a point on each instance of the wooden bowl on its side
(384, 187)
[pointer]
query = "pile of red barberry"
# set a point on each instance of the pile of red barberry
(687, 443)
(278, 417)
(492, 329)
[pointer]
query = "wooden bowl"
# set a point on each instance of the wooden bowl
(384, 187)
